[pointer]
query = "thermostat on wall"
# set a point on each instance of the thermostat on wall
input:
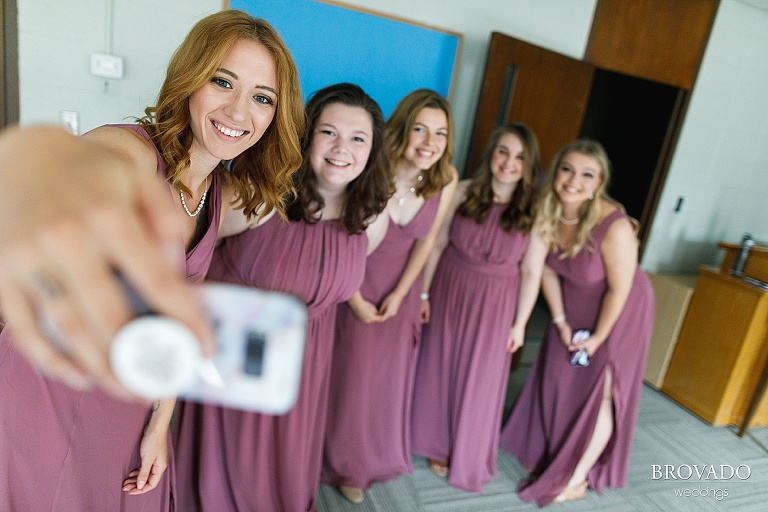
(106, 66)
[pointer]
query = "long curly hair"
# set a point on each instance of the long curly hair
(519, 213)
(398, 135)
(550, 209)
(262, 173)
(367, 195)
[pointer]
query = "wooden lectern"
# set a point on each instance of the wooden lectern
(718, 369)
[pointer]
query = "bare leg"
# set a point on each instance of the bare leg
(600, 436)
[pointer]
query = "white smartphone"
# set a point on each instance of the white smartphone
(257, 366)
(581, 356)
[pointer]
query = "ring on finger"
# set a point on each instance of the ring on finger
(49, 284)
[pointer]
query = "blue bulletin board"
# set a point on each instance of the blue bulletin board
(386, 56)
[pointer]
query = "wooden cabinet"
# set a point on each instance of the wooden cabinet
(673, 295)
(722, 349)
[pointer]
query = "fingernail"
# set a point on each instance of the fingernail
(140, 484)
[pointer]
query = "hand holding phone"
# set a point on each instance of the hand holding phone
(260, 345)
(581, 356)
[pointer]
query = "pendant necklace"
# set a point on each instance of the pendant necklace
(199, 206)
(411, 190)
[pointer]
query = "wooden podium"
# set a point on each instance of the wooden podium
(719, 361)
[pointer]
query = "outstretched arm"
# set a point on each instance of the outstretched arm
(84, 209)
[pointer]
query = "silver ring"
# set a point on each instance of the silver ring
(49, 284)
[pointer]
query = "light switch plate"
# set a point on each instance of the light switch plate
(70, 120)
(106, 66)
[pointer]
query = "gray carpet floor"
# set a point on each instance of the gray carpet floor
(666, 434)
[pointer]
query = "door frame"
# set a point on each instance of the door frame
(9, 63)
(495, 107)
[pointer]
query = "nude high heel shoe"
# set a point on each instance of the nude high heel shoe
(576, 492)
(353, 494)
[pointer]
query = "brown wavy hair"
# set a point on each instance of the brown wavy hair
(398, 134)
(262, 173)
(550, 208)
(367, 195)
(519, 213)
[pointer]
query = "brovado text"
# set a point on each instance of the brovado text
(700, 472)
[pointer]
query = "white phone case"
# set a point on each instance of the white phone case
(260, 338)
(257, 366)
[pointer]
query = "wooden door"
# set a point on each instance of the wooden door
(563, 99)
(2, 67)
(525, 83)
(9, 69)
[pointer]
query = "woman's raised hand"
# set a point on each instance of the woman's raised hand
(75, 215)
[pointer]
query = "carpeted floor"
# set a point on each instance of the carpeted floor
(666, 434)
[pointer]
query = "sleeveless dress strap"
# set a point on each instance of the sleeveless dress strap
(599, 231)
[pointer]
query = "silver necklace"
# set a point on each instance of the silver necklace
(411, 190)
(199, 206)
(569, 222)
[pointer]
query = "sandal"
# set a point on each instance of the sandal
(576, 492)
(438, 467)
(353, 494)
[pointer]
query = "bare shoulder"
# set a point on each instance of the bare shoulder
(128, 143)
(450, 187)
(607, 207)
(621, 233)
(454, 173)
(461, 191)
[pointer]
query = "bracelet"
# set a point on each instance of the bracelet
(558, 319)
(424, 296)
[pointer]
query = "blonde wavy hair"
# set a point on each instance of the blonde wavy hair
(263, 173)
(398, 136)
(550, 209)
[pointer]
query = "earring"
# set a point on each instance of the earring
(591, 196)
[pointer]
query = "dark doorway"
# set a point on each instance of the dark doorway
(630, 117)
(562, 99)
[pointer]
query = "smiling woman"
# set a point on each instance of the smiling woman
(233, 110)
(591, 281)
(232, 460)
(89, 210)
(377, 330)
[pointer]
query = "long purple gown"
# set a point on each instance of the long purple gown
(463, 366)
(64, 450)
(231, 460)
(554, 417)
(368, 432)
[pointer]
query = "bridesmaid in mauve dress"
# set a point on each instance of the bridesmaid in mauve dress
(233, 460)
(572, 426)
(378, 330)
(65, 449)
(485, 286)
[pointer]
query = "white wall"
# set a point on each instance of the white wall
(57, 37)
(559, 25)
(145, 33)
(719, 165)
